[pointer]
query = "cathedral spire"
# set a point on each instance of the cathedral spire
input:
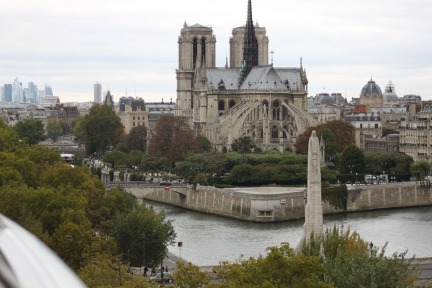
(250, 49)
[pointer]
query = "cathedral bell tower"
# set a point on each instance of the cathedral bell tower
(197, 44)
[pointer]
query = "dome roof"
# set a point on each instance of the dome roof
(371, 88)
(390, 93)
(324, 98)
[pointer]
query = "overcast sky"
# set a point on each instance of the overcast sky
(130, 46)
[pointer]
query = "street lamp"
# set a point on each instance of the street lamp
(356, 178)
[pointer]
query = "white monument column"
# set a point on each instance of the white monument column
(313, 208)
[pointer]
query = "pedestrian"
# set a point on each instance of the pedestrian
(145, 271)
(163, 269)
(166, 269)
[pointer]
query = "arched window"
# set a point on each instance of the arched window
(284, 134)
(231, 103)
(274, 132)
(203, 49)
(276, 109)
(195, 51)
(221, 105)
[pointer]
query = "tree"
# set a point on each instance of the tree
(8, 137)
(352, 160)
(243, 145)
(30, 130)
(190, 276)
(108, 271)
(154, 164)
(343, 136)
(279, 268)
(137, 139)
(101, 128)
(350, 261)
(172, 139)
(420, 169)
(23, 166)
(54, 129)
(143, 235)
(66, 127)
(203, 144)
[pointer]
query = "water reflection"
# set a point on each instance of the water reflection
(209, 239)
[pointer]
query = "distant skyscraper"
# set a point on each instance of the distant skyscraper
(97, 92)
(48, 90)
(8, 92)
(2, 96)
(17, 91)
(33, 93)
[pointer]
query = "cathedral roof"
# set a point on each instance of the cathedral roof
(259, 78)
(216, 77)
(263, 77)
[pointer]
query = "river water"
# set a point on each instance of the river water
(209, 239)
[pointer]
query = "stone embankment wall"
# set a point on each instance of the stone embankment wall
(390, 195)
(262, 207)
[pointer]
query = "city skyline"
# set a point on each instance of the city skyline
(131, 48)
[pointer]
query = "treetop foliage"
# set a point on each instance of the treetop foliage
(342, 135)
(30, 130)
(172, 138)
(99, 129)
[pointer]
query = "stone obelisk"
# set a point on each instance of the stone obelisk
(313, 208)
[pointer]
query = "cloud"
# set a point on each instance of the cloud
(132, 44)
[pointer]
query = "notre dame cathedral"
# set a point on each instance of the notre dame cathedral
(249, 97)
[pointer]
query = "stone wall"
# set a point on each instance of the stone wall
(390, 195)
(266, 207)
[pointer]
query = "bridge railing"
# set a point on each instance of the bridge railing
(140, 183)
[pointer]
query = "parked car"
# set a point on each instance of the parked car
(167, 278)
(370, 177)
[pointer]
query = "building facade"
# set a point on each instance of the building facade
(249, 98)
(365, 126)
(416, 135)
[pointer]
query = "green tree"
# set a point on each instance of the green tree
(154, 164)
(108, 271)
(279, 268)
(78, 129)
(352, 160)
(190, 276)
(243, 145)
(137, 139)
(30, 130)
(71, 241)
(26, 168)
(54, 129)
(143, 235)
(350, 261)
(420, 169)
(8, 137)
(66, 127)
(203, 144)
(330, 144)
(101, 128)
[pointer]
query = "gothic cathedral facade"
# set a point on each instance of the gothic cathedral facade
(249, 97)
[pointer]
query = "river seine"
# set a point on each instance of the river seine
(209, 239)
